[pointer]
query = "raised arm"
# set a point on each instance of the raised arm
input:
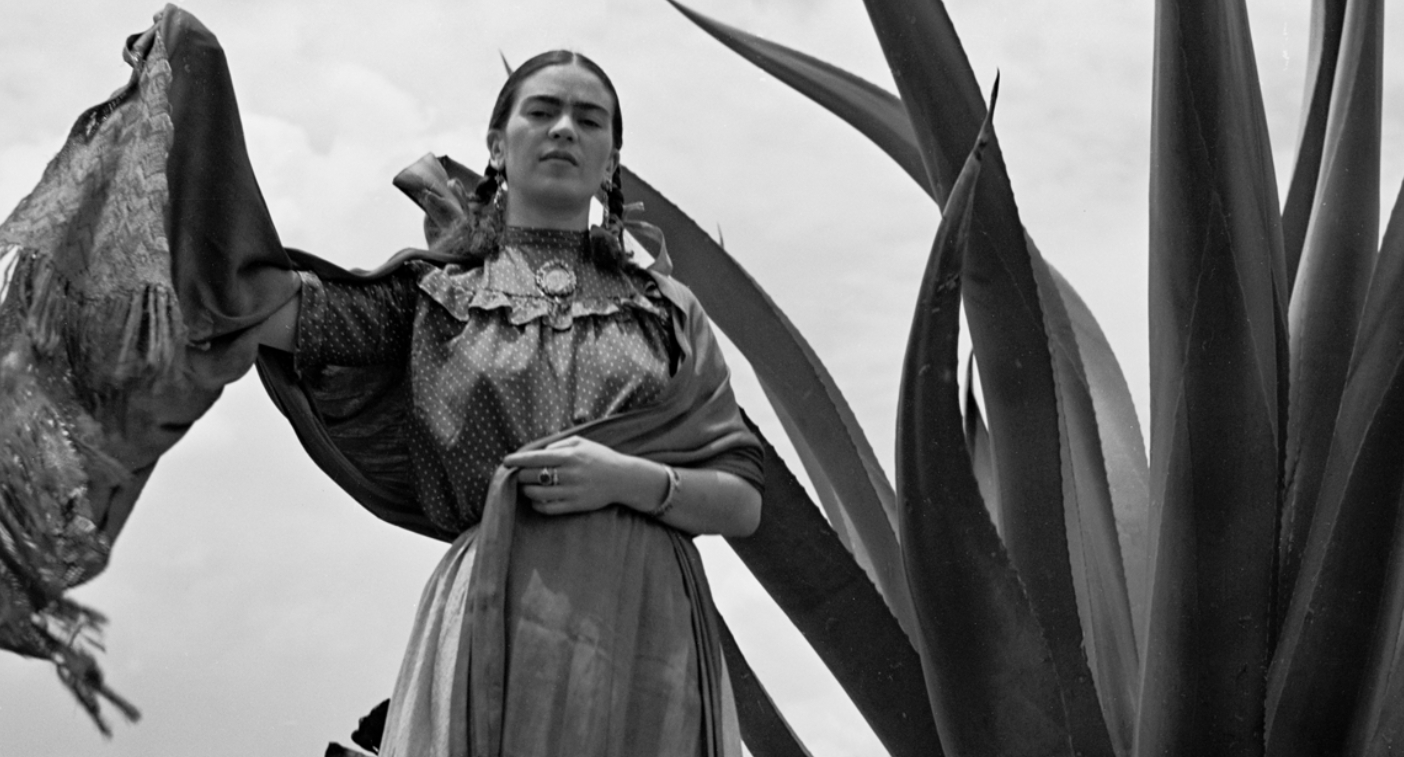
(332, 322)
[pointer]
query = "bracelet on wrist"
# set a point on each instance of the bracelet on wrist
(671, 497)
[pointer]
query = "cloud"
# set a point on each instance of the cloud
(21, 165)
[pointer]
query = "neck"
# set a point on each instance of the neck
(537, 217)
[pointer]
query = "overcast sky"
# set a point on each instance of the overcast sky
(254, 608)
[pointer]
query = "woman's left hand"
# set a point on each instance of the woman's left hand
(576, 475)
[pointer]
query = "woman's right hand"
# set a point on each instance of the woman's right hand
(583, 475)
(575, 475)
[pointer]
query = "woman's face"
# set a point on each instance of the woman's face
(556, 148)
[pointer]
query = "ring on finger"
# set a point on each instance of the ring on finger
(547, 477)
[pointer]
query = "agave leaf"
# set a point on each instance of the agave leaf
(1041, 421)
(841, 463)
(877, 114)
(763, 728)
(874, 111)
(798, 558)
(870, 109)
(1327, 23)
(1217, 353)
(1379, 716)
(1336, 263)
(853, 99)
(1094, 547)
(883, 118)
(1320, 666)
(1123, 447)
(937, 85)
(992, 682)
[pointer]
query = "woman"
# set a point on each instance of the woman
(570, 417)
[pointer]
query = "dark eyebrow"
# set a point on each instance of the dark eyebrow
(558, 102)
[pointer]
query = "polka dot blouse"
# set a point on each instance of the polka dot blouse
(534, 341)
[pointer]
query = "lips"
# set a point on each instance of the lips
(560, 155)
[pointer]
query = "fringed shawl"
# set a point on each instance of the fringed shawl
(140, 263)
(120, 325)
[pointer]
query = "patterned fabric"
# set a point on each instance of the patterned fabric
(131, 306)
(494, 363)
(90, 281)
(594, 633)
(134, 280)
(554, 602)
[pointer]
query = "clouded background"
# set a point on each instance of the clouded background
(255, 610)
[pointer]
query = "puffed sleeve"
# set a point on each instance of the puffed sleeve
(355, 324)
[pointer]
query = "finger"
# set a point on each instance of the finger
(548, 476)
(569, 441)
(540, 493)
(550, 507)
(537, 458)
(560, 507)
(537, 492)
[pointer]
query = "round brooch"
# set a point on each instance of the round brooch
(554, 279)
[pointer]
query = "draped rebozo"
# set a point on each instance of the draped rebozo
(137, 266)
(140, 264)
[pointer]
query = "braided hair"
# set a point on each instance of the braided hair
(478, 234)
(607, 240)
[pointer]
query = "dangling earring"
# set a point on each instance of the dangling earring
(499, 201)
(487, 185)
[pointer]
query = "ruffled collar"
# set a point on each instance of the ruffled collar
(542, 274)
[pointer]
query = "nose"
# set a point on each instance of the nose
(564, 127)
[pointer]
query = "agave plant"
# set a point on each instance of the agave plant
(1035, 584)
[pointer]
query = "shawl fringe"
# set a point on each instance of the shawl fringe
(135, 282)
(48, 538)
(144, 349)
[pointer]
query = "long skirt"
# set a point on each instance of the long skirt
(607, 649)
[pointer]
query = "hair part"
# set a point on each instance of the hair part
(507, 97)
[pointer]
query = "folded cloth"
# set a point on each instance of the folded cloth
(140, 261)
